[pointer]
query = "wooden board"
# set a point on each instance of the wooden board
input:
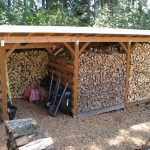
(101, 110)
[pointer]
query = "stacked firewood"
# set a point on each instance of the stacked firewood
(139, 83)
(24, 67)
(101, 78)
(23, 134)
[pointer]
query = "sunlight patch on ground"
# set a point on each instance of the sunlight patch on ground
(70, 148)
(120, 138)
(94, 147)
(141, 127)
(125, 135)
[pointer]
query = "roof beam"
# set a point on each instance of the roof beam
(31, 45)
(65, 39)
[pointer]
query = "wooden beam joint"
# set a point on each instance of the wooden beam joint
(84, 47)
(11, 50)
(69, 48)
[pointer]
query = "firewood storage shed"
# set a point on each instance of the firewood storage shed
(79, 43)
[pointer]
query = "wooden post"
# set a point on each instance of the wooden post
(128, 65)
(75, 86)
(3, 83)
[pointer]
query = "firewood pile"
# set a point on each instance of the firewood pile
(63, 65)
(23, 134)
(101, 78)
(24, 67)
(139, 82)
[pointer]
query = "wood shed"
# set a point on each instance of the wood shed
(108, 69)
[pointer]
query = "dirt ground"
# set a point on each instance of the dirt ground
(118, 130)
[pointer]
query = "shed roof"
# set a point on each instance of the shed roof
(43, 34)
(73, 30)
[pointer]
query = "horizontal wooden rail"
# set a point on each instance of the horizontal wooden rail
(61, 67)
(131, 104)
(61, 60)
(47, 39)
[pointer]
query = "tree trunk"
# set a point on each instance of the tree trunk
(48, 2)
(89, 11)
(43, 3)
(9, 3)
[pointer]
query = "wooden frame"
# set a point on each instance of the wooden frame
(128, 49)
(65, 39)
(47, 40)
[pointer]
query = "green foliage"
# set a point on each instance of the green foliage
(124, 15)
(100, 13)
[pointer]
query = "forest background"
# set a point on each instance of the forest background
(134, 14)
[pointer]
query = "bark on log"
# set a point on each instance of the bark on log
(101, 78)
(24, 67)
(139, 82)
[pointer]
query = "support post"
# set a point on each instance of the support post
(75, 86)
(3, 83)
(128, 65)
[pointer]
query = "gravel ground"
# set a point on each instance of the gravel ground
(119, 130)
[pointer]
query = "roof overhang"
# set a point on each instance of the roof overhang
(49, 34)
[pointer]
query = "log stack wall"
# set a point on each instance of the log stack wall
(101, 74)
(24, 67)
(101, 78)
(139, 82)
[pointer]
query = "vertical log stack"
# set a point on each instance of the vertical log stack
(139, 81)
(101, 78)
(25, 66)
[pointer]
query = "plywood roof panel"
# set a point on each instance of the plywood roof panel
(72, 30)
